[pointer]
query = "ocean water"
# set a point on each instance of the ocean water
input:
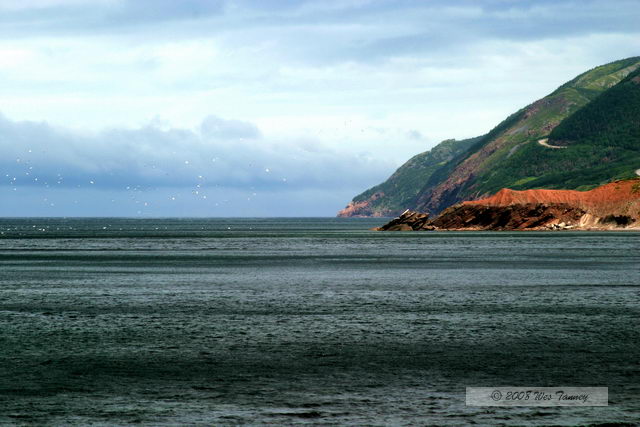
(309, 321)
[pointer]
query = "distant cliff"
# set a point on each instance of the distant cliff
(584, 134)
(404, 186)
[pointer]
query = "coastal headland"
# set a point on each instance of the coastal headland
(612, 206)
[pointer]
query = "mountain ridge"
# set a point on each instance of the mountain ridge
(501, 158)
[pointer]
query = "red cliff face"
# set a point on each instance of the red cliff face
(614, 205)
(362, 208)
(616, 198)
(355, 209)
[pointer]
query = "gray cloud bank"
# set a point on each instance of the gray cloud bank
(74, 16)
(221, 153)
(358, 30)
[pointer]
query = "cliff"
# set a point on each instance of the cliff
(619, 198)
(612, 206)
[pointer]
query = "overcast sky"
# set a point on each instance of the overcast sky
(266, 107)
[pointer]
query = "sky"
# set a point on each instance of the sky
(207, 108)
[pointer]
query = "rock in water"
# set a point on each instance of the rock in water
(528, 216)
(408, 221)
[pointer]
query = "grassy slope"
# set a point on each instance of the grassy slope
(602, 140)
(509, 156)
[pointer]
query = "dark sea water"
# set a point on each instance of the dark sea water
(309, 321)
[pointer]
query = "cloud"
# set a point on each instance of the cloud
(217, 128)
(358, 29)
(221, 154)
(164, 10)
(72, 16)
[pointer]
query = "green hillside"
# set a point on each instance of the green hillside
(591, 117)
(601, 142)
(402, 188)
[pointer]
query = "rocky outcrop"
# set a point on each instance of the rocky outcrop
(612, 206)
(529, 216)
(408, 221)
